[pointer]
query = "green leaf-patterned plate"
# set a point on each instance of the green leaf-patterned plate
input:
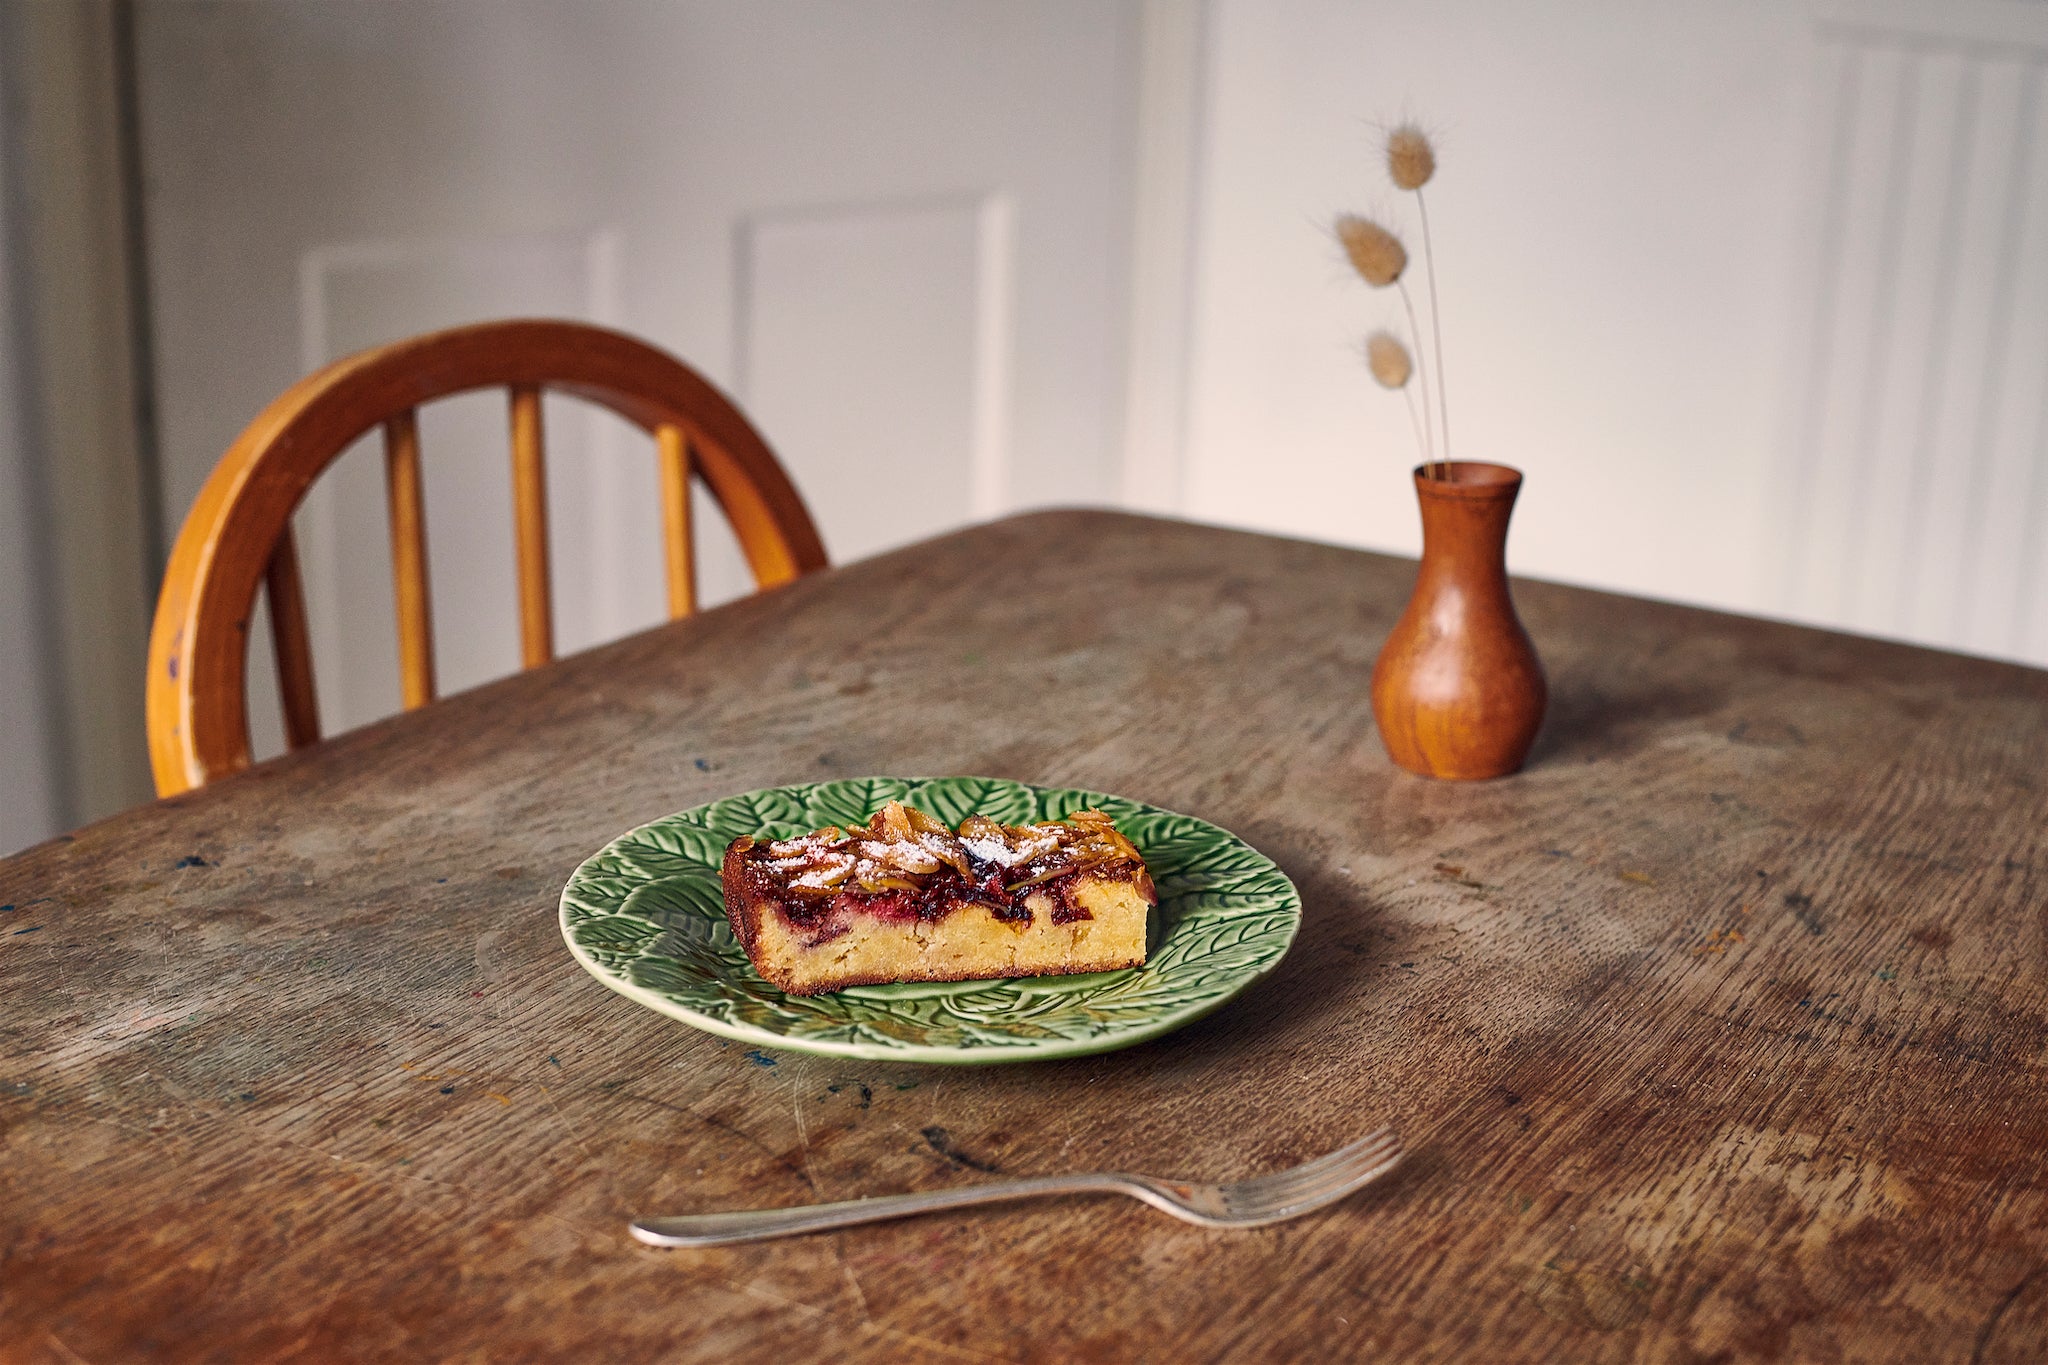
(645, 915)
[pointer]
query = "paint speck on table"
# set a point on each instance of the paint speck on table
(760, 1058)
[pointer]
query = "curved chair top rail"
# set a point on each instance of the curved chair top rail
(197, 689)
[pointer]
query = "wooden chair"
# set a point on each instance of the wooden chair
(239, 531)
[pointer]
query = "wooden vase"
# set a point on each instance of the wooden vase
(1458, 691)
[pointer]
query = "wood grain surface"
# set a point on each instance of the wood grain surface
(1717, 1033)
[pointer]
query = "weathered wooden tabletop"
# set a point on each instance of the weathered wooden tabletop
(1717, 1034)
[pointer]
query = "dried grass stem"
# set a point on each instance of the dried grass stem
(1436, 323)
(1422, 379)
(1415, 418)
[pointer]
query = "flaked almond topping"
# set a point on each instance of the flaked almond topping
(902, 857)
(825, 877)
(901, 843)
(946, 849)
(994, 851)
(892, 822)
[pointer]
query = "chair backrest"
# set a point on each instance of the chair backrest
(238, 533)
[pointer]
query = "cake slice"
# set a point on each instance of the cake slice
(907, 899)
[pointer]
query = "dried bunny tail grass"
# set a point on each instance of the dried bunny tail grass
(1393, 367)
(1411, 161)
(1376, 254)
(1388, 360)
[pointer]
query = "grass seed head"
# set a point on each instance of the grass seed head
(1411, 161)
(1388, 360)
(1375, 253)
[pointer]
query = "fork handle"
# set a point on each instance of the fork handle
(720, 1229)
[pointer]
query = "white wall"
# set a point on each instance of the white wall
(78, 562)
(28, 788)
(1756, 291)
(1746, 352)
(895, 229)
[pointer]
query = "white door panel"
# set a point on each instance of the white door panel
(813, 368)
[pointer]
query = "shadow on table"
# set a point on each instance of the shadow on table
(1331, 959)
(1587, 722)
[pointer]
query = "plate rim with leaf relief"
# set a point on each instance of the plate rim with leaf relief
(645, 916)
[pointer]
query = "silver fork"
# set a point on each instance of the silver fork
(1243, 1204)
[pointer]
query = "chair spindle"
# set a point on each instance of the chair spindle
(673, 446)
(530, 517)
(404, 491)
(238, 537)
(294, 652)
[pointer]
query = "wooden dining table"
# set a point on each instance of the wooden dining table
(1716, 1034)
